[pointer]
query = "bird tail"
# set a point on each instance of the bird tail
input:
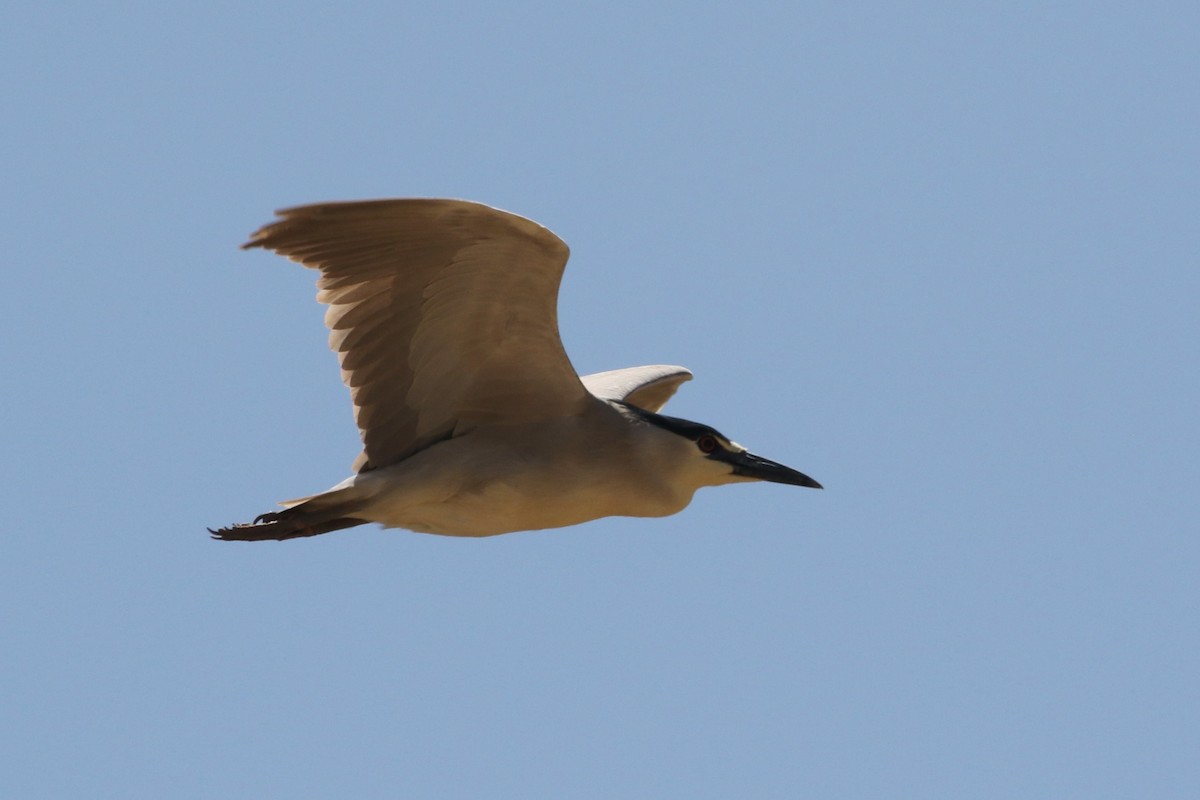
(307, 516)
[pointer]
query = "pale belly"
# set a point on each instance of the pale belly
(500, 508)
(477, 501)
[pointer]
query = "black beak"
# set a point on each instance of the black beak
(749, 465)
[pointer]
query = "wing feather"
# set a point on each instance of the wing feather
(645, 387)
(442, 313)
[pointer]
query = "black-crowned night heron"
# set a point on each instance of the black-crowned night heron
(473, 420)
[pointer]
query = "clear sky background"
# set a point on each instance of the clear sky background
(940, 256)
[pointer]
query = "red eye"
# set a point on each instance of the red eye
(707, 443)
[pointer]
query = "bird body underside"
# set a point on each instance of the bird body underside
(497, 480)
(511, 503)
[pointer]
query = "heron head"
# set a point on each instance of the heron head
(713, 459)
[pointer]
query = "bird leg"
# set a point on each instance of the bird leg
(272, 526)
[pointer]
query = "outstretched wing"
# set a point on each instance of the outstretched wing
(443, 314)
(645, 387)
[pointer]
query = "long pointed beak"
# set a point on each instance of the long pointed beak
(749, 465)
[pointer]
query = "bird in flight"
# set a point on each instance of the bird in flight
(443, 314)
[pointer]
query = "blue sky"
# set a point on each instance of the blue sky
(942, 257)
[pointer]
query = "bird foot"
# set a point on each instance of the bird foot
(268, 527)
(247, 531)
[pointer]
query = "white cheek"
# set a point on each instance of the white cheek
(710, 472)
